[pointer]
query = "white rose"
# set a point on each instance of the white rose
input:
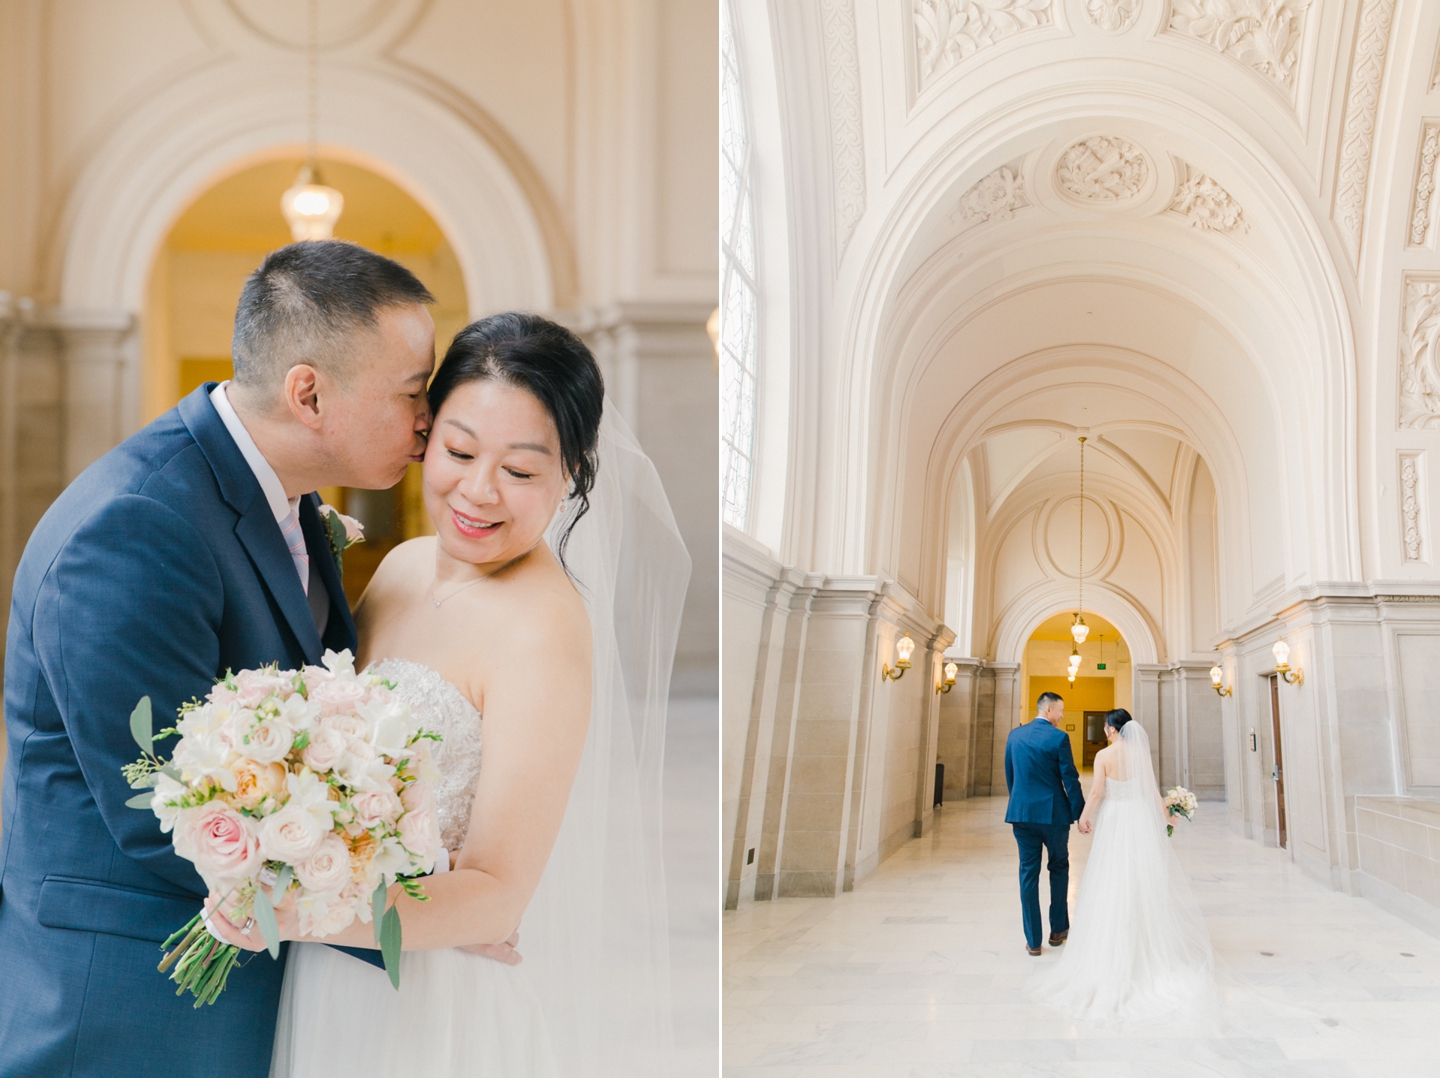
(293, 834)
(324, 914)
(420, 834)
(326, 747)
(328, 868)
(373, 807)
(269, 741)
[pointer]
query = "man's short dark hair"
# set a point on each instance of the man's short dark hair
(1048, 698)
(303, 303)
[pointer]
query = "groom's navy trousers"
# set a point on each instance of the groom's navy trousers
(1045, 799)
(157, 569)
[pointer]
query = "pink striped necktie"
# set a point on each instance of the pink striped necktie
(295, 540)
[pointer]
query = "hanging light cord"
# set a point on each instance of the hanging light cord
(313, 79)
(1080, 599)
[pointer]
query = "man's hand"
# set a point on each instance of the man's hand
(1083, 826)
(501, 952)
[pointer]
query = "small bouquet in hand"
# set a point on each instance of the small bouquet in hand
(1179, 801)
(313, 781)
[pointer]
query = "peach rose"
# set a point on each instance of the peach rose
(256, 781)
(328, 868)
(327, 745)
(222, 844)
(375, 806)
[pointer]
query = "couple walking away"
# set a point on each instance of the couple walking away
(548, 599)
(1139, 949)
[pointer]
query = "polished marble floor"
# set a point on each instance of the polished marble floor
(919, 973)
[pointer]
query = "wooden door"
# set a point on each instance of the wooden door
(1278, 774)
(1094, 736)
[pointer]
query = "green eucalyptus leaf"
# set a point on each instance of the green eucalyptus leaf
(377, 906)
(172, 771)
(390, 945)
(140, 801)
(282, 880)
(141, 727)
(265, 918)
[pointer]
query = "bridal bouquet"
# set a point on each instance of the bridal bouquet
(314, 781)
(1179, 801)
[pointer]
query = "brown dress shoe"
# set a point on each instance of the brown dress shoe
(1058, 938)
(1033, 952)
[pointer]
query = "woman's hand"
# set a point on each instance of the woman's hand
(243, 932)
(501, 952)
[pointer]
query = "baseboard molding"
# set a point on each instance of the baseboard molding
(1401, 903)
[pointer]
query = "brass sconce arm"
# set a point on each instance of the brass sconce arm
(895, 674)
(1292, 677)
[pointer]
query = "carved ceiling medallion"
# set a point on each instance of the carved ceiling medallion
(995, 198)
(1117, 16)
(1208, 206)
(1103, 169)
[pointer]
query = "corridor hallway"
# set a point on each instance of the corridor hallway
(918, 971)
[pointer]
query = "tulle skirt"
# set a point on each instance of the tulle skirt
(455, 1014)
(1138, 948)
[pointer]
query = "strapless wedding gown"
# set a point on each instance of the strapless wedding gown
(1138, 947)
(455, 1013)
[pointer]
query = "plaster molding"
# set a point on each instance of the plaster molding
(1419, 375)
(995, 197)
(1435, 71)
(1264, 35)
(1103, 169)
(847, 137)
(1206, 205)
(1412, 507)
(1421, 225)
(1372, 39)
(948, 32)
(1116, 16)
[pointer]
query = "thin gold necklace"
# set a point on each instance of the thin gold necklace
(477, 580)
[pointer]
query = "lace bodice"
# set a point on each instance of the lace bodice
(1124, 790)
(441, 707)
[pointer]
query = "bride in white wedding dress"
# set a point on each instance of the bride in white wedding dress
(1138, 948)
(549, 602)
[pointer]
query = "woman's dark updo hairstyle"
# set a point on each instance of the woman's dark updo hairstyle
(1117, 719)
(535, 354)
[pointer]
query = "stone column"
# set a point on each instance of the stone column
(933, 669)
(1010, 707)
(1147, 707)
(101, 381)
(956, 729)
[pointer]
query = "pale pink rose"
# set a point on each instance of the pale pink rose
(341, 694)
(354, 530)
(222, 695)
(328, 868)
(349, 725)
(324, 914)
(420, 833)
(220, 842)
(292, 834)
(267, 742)
(327, 745)
(255, 781)
(418, 795)
(253, 686)
(375, 806)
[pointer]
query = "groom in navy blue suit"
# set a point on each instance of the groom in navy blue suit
(1045, 799)
(194, 547)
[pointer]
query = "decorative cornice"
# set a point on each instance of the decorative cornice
(1419, 374)
(1421, 228)
(1116, 16)
(1264, 35)
(996, 197)
(1372, 40)
(948, 32)
(1206, 205)
(847, 139)
(1102, 168)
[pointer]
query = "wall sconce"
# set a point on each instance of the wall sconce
(951, 670)
(1281, 651)
(1216, 674)
(904, 647)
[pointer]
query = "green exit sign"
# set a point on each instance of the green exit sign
(1099, 666)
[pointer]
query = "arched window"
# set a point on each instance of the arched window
(738, 331)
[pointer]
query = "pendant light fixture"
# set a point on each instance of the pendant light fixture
(1079, 630)
(310, 208)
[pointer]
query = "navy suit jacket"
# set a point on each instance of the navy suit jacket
(1041, 777)
(159, 568)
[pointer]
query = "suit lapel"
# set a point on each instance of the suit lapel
(256, 529)
(317, 542)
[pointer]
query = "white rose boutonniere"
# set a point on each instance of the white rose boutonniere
(343, 532)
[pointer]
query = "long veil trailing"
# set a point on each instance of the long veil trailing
(595, 935)
(1138, 946)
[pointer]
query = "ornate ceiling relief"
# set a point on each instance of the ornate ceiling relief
(1412, 508)
(1117, 16)
(847, 145)
(1103, 169)
(1421, 226)
(1262, 34)
(995, 198)
(1207, 205)
(1358, 137)
(949, 31)
(1420, 354)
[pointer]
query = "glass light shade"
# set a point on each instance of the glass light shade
(310, 208)
(1079, 630)
(1216, 674)
(1071, 679)
(951, 670)
(905, 647)
(1282, 654)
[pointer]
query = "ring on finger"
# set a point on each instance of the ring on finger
(249, 924)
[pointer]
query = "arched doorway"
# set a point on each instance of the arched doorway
(201, 265)
(1104, 679)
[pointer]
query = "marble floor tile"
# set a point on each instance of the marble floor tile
(920, 972)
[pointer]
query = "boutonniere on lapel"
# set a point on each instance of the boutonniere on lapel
(343, 532)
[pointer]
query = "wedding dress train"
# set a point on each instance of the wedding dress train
(455, 1013)
(1138, 948)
